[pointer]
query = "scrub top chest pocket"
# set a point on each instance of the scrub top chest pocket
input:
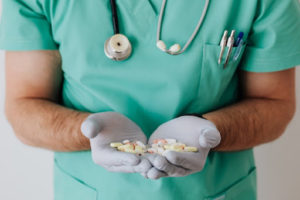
(214, 77)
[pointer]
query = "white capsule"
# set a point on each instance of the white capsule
(141, 144)
(170, 141)
(161, 45)
(125, 141)
(154, 146)
(175, 48)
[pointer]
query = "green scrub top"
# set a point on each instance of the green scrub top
(152, 87)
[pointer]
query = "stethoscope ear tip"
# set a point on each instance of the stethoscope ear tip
(173, 50)
(161, 45)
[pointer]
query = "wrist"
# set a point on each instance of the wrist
(82, 141)
(215, 120)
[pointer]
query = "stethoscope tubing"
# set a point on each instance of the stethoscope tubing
(192, 37)
(114, 16)
(119, 53)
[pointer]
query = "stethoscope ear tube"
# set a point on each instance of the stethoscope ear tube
(175, 49)
(114, 16)
(117, 47)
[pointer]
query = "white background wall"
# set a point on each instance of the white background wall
(26, 173)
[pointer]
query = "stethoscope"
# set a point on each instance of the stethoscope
(118, 47)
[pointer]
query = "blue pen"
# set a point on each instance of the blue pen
(239, 44)
(240, 37)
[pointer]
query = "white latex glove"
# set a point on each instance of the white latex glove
(190, 130)
(107, 127)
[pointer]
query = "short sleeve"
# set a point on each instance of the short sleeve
(274, 41)
(24, 27)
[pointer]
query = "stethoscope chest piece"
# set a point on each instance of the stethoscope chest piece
(117, 47)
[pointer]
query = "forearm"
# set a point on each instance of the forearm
(42, 123)
(251, 122)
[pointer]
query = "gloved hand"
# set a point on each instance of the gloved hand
(107, 127)
(190, 130)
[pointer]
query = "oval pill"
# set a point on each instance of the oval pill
(191, 149)
(116, 144)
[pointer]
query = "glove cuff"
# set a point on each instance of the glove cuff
(196, 115)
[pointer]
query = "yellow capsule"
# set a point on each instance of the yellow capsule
(139, 148)
(116, 144)
(191, 149)
(168, 146)
(125, 146)
(174, 147)
(129, 146)
(180, 144)
(129, 150)
(121, 148)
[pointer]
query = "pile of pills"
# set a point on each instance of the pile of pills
(130, 147)
(159, 146)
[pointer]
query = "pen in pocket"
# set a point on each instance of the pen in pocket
(223, 45)
(230, 44)
(239, 44)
